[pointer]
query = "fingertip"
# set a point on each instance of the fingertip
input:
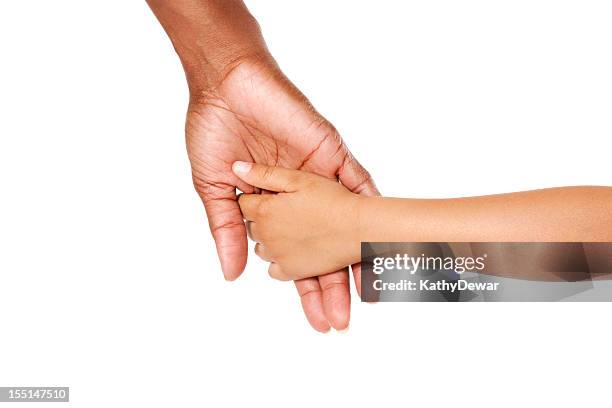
(325, 331)
(312, 304)
(232, 257)
(230, 271)
(241, 168)
(337, 308)
(321, 326)
(356, 178)
(339, 319)
(315, 315)
(369, 189)
(343, 331)
(336, 298)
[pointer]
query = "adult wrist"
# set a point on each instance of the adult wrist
(210, 37)
(206, 71)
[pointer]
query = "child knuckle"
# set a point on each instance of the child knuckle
(274, 274)
(261, 210)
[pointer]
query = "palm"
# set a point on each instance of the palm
(255, 114)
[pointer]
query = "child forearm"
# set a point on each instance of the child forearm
(555, 215)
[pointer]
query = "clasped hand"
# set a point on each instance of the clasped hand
(309, 228)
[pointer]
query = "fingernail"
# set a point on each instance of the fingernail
(241, 167)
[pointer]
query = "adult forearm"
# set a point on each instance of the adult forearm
(572, 214)
(209, 36)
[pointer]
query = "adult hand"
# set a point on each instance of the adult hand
(255, 114)
(243, 108)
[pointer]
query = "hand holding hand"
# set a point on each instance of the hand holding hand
(255, 114)
(311, 227)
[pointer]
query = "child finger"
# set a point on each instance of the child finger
(262, 252)
(249, 204)
(276, 272)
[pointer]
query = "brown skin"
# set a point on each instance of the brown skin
(242, 107)
(314, 223)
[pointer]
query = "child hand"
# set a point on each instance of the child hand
(309, 228)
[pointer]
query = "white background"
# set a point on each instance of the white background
(109, 281)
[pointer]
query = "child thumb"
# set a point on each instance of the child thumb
(269, 178)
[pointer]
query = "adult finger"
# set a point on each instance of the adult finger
(336, 298)
(355, 177)
(267, 177)
(227, 227)
(356, 269)
(311, 297)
